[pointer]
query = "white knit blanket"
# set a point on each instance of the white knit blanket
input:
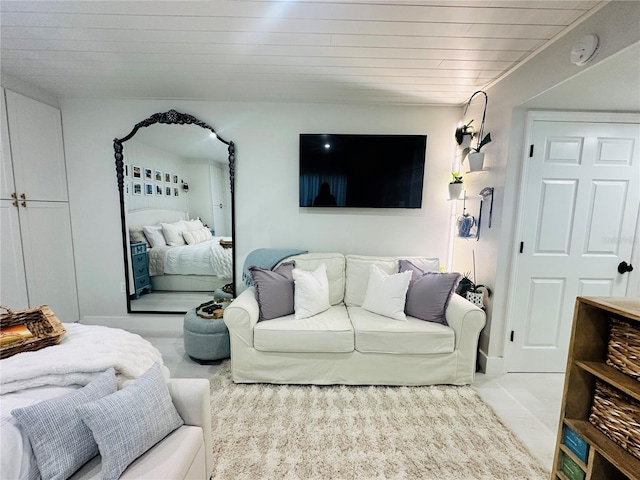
(84, 351)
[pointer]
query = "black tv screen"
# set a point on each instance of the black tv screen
(372, 171)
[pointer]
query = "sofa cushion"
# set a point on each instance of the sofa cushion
(329, 331)
(173, 457)
(311, 292)
(274, 290)
(54, 425)
(387, 293)
(357, 273)
(138, 416)
(335, 271)
(377, 334)
(429, 292)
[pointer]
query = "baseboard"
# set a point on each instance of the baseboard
(169, 325)
(490, 365)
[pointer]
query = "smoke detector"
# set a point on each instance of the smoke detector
(584, 51)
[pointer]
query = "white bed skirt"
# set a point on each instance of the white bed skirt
(188, 283)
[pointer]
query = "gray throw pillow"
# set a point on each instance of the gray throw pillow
(274, 290)
(129, 422)
(429, 293)
(60, 440)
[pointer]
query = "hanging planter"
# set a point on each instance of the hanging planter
(455, 189)
(455, 186)
(476, 161)
(482, 138)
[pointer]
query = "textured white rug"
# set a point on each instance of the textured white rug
(337, 432)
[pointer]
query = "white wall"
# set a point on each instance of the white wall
(617, 24)
(267, 212)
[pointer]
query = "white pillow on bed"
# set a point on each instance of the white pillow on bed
(154, 235)
(193, 224)
(193, 237)
(173, 233)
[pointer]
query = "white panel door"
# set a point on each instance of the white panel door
(48, 258)
(7, 187)
(13, 284)
(579, 214)
(37, 150)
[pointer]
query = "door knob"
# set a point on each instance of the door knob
(624, 267)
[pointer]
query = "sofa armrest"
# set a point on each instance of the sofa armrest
(466, 319)
(191, 397)
(242, 315)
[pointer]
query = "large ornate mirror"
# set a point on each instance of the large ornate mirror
(176, 184)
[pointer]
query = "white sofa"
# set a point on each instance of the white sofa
(347, 344)
(186, 453)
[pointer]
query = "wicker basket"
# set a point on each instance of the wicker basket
(617, 416)
(623, 351)
(44, 326)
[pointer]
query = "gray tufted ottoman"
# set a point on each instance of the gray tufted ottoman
(205, 339)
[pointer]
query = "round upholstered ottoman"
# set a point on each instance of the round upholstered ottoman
(205, 339)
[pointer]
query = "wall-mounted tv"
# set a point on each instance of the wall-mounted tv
(371, 171)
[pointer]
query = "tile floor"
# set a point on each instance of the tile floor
(529, 403)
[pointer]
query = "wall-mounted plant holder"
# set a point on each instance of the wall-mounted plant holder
(455, 189)
(476, 161)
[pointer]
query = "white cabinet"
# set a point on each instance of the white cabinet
(36, 244)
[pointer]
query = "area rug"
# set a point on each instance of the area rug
(265, 431)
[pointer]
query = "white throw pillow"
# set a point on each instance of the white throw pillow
(154, 235)
(193, 224)
(193, 237)
(387, 294)
(173, 233)
(311, 292)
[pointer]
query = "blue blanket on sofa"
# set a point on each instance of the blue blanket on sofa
(266, 258)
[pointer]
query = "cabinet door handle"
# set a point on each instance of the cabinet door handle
(24, 204)
(14, 195)
(23, 196)
(15, 203)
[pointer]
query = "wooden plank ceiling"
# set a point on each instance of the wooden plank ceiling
(391, 52)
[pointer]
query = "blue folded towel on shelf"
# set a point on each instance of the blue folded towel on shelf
(266, 258)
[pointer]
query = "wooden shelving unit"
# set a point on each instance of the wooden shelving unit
(586, 364)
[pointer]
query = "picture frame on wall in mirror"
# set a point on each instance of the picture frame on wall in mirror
(175, 179)
(159, 191)
(148, 188)
(148, 174)
(167, 177)
(158, 176)
(137, 171)
(137, 188)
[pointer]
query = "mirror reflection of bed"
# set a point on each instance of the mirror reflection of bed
(186, 232)
(181, 276)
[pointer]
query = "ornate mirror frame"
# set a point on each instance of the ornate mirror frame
(171, 117)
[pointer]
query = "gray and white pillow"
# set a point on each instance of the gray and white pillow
(429, 293)
(60, 440)
(274, 290)
(129, 422)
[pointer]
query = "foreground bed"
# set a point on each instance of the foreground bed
(83, 354)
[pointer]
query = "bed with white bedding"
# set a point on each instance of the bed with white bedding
(195, 261)
(84, 352)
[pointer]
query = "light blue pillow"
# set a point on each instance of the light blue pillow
(60, 440)
(129, 422)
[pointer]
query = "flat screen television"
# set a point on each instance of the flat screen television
(370, 171)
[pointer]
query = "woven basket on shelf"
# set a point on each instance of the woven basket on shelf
(623, 351)
(617, 416)
(44, 326)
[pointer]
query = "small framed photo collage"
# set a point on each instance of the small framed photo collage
(148, 181)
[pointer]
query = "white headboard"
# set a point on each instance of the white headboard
(153, 216)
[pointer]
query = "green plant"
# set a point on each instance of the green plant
(464, 130)
(456, 177)
(468, 285)
(481, 143)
